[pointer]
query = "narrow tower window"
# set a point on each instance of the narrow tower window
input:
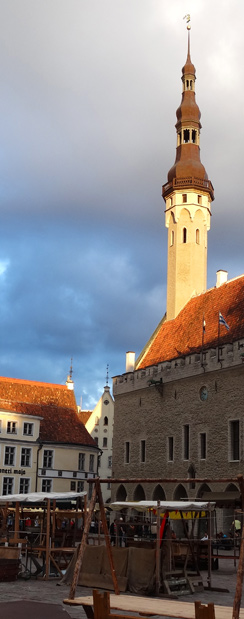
(197, 236)
(194, 136)
(184, 235)
(172, 237)
(184, 197)
(199, 199)
(186, 136)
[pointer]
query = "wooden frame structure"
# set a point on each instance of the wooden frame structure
(97, 496)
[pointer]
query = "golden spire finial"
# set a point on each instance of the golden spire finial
(188, 25)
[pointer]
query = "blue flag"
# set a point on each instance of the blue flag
(222, 321)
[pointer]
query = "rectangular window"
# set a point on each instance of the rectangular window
(105, 441)
(24, 485)
(47, 458)
(143, 451)
(98, 461)
(80, 486)
(127, 452)
(9, 458)
(199, 199)
(46, 485)
(8, 485)
(186, 442)
(28, 429)
(109, 461)
(203, 446)
(235, 440)
(91, 463)
(73, 486)
(25, 457)
(170, 448)
(12, 427)
(184, 197)
(81, 462)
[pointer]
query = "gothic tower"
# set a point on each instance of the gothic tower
(188, 195)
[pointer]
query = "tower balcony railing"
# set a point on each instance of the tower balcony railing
(188, 181)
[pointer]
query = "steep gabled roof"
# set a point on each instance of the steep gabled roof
(84, 416)
(54, 403)
(183, 335)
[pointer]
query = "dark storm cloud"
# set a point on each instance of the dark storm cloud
(87, 114)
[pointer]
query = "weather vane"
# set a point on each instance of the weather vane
(188, 21)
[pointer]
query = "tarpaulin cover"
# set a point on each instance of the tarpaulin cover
(38, 497)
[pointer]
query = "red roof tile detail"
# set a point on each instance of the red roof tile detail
(183, 335)
(54, 403)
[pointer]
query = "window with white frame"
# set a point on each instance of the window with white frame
(81, 461)
(9, 456)
(28, 428)
(24, 485)
(8, 485)
(25, 459)
(46, 485)
(12, 427)
(91, 463)
(47, 459)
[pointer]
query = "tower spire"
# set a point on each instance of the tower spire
(188, 195)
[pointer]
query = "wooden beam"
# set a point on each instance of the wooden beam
(82, 547)
(107, 538)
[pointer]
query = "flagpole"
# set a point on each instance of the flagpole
(203, 331)
(218, 335)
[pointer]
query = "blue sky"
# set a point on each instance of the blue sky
(88, 97)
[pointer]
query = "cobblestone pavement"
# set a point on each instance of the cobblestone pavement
(50, 592)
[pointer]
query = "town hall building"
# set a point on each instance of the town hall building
(179, 408)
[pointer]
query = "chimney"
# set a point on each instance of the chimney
(221, 278)
(130, 358)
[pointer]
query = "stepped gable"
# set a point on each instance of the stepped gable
(54, 403)
(183, 335)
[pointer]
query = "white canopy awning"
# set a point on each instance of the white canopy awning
(165, 506)
(38, 497)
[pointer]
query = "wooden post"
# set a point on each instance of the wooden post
(85, 511)
(158, 550)
(209, 579)
(82, 547)
(53, 522)
(16, 521)
(107, 537)
(47, 541)
(240, 570)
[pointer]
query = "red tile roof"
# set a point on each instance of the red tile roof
(55, 403)
(84, 416)
(183, 335)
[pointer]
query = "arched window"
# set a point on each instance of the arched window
(184, 236)
(197, 236)
(105, 423)
(172, 238)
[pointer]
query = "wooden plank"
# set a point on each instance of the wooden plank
(154, 606)
(81, 551)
